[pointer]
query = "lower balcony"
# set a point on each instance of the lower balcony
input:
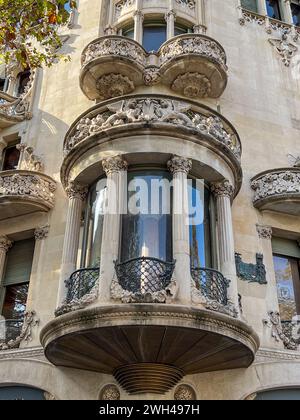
(278, 190)
(23, 192)
(146, 344)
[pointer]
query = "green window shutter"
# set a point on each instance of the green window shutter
(19, 262)
(286, 247)
(250, 5)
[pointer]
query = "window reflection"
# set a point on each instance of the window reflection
(296, 13)
(200, 233)
(154, 36)
(273, 9)
(149, 233)
(14, 305)
(94, 225)
(287, 279)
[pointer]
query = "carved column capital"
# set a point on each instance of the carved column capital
(41, 232)
(222, 189)
(200, 29)
(138, 14)
(170, 14)
(76, 190)
(179, 164)
(114, 164)
(264, 232)
(5, 243)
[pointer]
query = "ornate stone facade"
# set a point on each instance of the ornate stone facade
(76, 190)
(184, 392)
(152, 110)
(288, 334)
(110, 393)
(30, 321)
(264, 232)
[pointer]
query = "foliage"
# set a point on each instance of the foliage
(29, 31)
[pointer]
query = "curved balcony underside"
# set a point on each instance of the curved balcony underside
(149, 116)
(23, 192)
(121, 338)
(193, 65)
(278, 190)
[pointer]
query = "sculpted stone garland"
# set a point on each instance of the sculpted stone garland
(281, 182)
(30, 321)
(152, 110)
(33, 186)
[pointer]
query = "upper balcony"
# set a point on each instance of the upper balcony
(192, 65)
(16, 104)
(278, 190)
(26, 189)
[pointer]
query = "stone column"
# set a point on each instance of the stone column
(5, 245)
(77, 195)
(180, 167)
(200, 28)
(223, 192)
(116, 203)
(287, 11)
(170, 18)
(262, 7)
(138, 26)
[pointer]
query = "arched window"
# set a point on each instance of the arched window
(23, 80)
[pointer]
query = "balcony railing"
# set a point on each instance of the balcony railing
(81, 283)
(144, 275)
(212, 284)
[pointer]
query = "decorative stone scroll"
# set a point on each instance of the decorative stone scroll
(253, 273)
(288, 333)
(152, 110)
(264, 232)
(30, 321)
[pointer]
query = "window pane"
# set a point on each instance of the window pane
(11, 158)
(273, 9)
(19, 262)
(147, 235)
(94, 225)
(129, 33)
(296, 13)
(14, 306)
(285, 278)
(179, 30)
(154, 37)
(200, 246)
(250, 5)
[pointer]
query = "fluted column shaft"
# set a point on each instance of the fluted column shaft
(138, 26)
(180, 167)
(5, 245)
(116, 203)
(223, 192)
(77, 195)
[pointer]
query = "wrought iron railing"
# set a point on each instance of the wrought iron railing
(10, 330)
(144, 275)
(80, 283)
(212, 284)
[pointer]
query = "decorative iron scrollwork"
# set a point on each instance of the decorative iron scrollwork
(81, 283)
(253, 273)
(144, 275)
(212, 284)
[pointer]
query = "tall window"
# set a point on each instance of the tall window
(295, 5)
(11, 156)
(23, 80)
(287, 273)
(16, 279)
(250, 5)
(147, 226)
(93, 229)
(200, 203)
(273, 9)
(154, 35)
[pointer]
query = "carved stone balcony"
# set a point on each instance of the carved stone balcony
(14, 331)
(149, 347)
(23, 192)
(192, 65)
(112, 66)
(278, 190)
(154, 115)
